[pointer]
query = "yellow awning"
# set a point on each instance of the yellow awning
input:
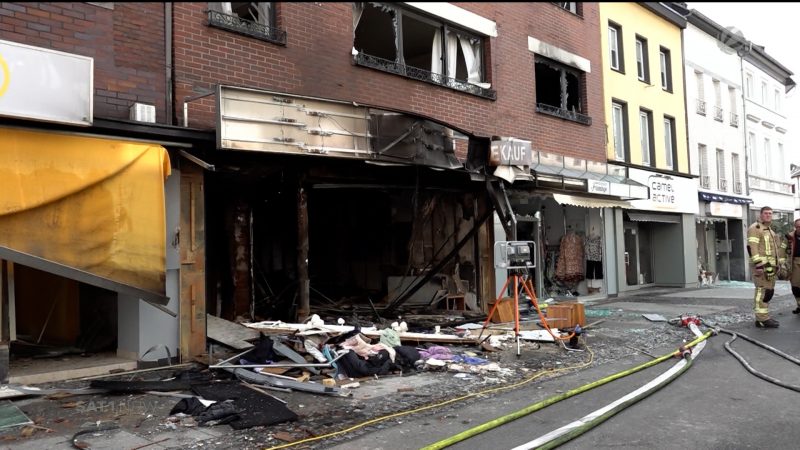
(590, 202)
(90, 203)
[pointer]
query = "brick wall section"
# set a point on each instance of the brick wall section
(127, 44)
(316, 61)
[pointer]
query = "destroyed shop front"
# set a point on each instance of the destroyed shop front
(317, 206)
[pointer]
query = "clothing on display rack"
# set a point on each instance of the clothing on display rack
(594, 263)
(570, 265)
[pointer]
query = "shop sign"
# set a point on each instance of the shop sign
(721, 209)
(598, 187)
(47, 85)
(667, 192)
(510, 152)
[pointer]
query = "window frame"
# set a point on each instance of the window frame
(620, 60)
(646, 134)
(665, 57)
(563, 110)
(400, 67)
(702, 160)
(222, 17)
(767, 157)
(752, 145)
(570, 6)
(748, 85)
(622, 137)
(669, 143)
(641, 43)
(736, 177)
(721, 179)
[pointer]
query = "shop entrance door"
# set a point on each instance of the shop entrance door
(631, 254)
(638, 255)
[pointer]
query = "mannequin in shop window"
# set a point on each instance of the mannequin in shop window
(594, 262)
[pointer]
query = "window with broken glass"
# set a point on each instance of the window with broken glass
(254, 19)
(568, 6)
(558, 91)
(392, 39)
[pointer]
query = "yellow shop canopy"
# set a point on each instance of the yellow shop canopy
(90, 204)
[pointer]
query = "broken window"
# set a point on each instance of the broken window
(255, 19)
(569, 6)
(558, 90)
(390, 38)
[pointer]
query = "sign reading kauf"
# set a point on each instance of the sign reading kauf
(47, 85)
(510, 152)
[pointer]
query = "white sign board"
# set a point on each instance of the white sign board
(668, 193)
(598, 187)
(721, 209)
(48, 85)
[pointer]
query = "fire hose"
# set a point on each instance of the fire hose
(564, 435)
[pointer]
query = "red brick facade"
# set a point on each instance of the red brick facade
(317, 61)
(126, 41)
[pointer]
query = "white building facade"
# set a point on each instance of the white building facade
(717, 148)
(769, 183)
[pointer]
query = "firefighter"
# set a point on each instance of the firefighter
(767, 255)
(793, 263)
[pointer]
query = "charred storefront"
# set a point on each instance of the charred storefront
(566, 206)
(315, 206)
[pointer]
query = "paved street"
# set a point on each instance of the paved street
(715, 404)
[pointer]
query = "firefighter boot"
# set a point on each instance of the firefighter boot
(769, 323)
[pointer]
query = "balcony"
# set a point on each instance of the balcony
(718, 114)
(734, 120)
(705, 181)
(737, 187)
(246, 27)
(722, 185)
(373, 62)
(701, 107)
(768, 184)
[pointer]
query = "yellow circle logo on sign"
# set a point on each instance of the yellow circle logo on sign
(6, 76)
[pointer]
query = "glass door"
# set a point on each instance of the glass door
(631, 254)
(644, 238)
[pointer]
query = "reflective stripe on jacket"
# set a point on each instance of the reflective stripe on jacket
(764, 246)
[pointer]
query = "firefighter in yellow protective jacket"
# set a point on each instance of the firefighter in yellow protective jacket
(793, 257)
(767, 252)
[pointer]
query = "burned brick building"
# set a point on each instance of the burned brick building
(340, 158)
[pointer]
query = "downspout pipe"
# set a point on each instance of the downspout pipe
(170, 103)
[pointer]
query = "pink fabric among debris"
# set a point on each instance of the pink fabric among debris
(365, 350)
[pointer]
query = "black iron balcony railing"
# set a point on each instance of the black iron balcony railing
(247, 27)
(563, 113)
(427, 76)
(737, 187)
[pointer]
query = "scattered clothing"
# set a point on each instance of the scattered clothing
(436, 352)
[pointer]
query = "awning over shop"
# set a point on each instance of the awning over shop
(91, 205)
(661, 218)
(587, 202)
(712, 197)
